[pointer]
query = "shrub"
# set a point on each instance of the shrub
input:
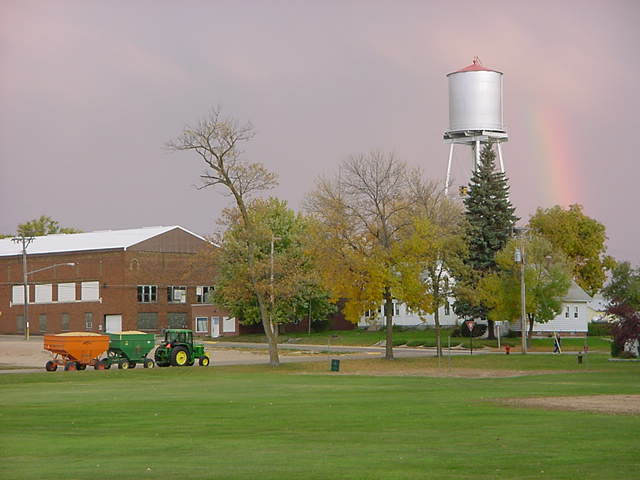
(463, 330)
(626, 354)
(599, 329)
(615, 349)
(397, 343)
(415, 343)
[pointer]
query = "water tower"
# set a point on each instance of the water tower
(475, 112)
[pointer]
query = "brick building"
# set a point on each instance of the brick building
(139, 279)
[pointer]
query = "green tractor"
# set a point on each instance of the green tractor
(178, 349)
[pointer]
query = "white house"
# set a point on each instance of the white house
(572, 320)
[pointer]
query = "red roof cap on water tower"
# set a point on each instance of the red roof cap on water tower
(476, 66)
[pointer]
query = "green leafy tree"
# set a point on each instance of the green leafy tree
(284, 276)
(547, 280)
(624, 286)
(581, 238)
(43, 226)
(490, 221)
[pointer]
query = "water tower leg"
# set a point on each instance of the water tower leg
(477, 154)
(446, 184)
(500, 157)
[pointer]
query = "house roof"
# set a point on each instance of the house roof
(576, 294)
(78, 242)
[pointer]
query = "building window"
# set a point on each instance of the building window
(64, 322)
(177, 320)
(566, 312)
(66, 292)
(17, 294)
(396, 308)
(202, 294)
(90, 291)
(44, 293)
(42, 320)
(20, 323)
(177, 294)
(447, 308)
(575, 312)
(201, 324)
(229, 324)
(147, 293)
(147, 321)
(88, 321)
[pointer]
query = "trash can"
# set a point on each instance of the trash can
(335, 365)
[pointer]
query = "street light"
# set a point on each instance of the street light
(520, 258)
(25, 241)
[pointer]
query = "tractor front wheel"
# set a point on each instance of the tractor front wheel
(179, 357)
(51, 366)
(203, 361)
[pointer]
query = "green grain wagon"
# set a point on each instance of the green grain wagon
(127, 349)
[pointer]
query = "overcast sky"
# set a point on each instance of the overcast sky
(90, 91)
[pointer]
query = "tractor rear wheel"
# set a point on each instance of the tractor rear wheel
(179, 357)
(148, 363)
(51, 366)
(123, 365)
(71, 366)
(203, 361)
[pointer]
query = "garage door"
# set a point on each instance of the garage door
(112, 323)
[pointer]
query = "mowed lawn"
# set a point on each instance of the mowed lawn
(301, 421)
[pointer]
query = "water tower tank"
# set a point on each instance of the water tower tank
(475, 99)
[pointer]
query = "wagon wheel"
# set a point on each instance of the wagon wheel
(204, 361)
(100, 365)
(70, 366)
(148, 363)
(123, 365)
(51, 366)
(179, 357)
(81, 366)
(132, 364)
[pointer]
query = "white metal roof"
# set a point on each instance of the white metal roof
(77, 242)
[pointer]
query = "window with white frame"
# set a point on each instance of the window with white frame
(575, 312)
(90, 291)
(566, 312)
(44, 293)
(88, 321)
(17, 294)
(447, 308)
(177, 294)
(396, 308)
(66, 292)
(201, 324)
(229, 324)
(147, 293)
(202, 294)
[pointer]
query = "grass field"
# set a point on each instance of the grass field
(413, 337)
(300, 421)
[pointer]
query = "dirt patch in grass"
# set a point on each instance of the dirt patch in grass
(611, 404)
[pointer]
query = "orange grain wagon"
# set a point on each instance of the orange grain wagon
(76, 350)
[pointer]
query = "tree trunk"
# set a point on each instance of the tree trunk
(491, 330)
(531, 319)
(436, 320)
(388, 313)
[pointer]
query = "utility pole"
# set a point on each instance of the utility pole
(519, 258)
(25, 242)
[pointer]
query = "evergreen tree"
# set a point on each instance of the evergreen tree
(490, 221)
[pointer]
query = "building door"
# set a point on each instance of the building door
(112, 323)
(215, 326)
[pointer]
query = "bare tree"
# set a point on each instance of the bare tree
(218, 141)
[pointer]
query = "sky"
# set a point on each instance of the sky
(91, 91)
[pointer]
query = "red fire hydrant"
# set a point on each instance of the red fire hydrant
(507, 349)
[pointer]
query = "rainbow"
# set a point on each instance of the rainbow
(552, 152)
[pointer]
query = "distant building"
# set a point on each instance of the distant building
(572, 320)
(138, 279)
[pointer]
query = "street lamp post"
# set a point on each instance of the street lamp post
(519, 258)
(25, 241)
